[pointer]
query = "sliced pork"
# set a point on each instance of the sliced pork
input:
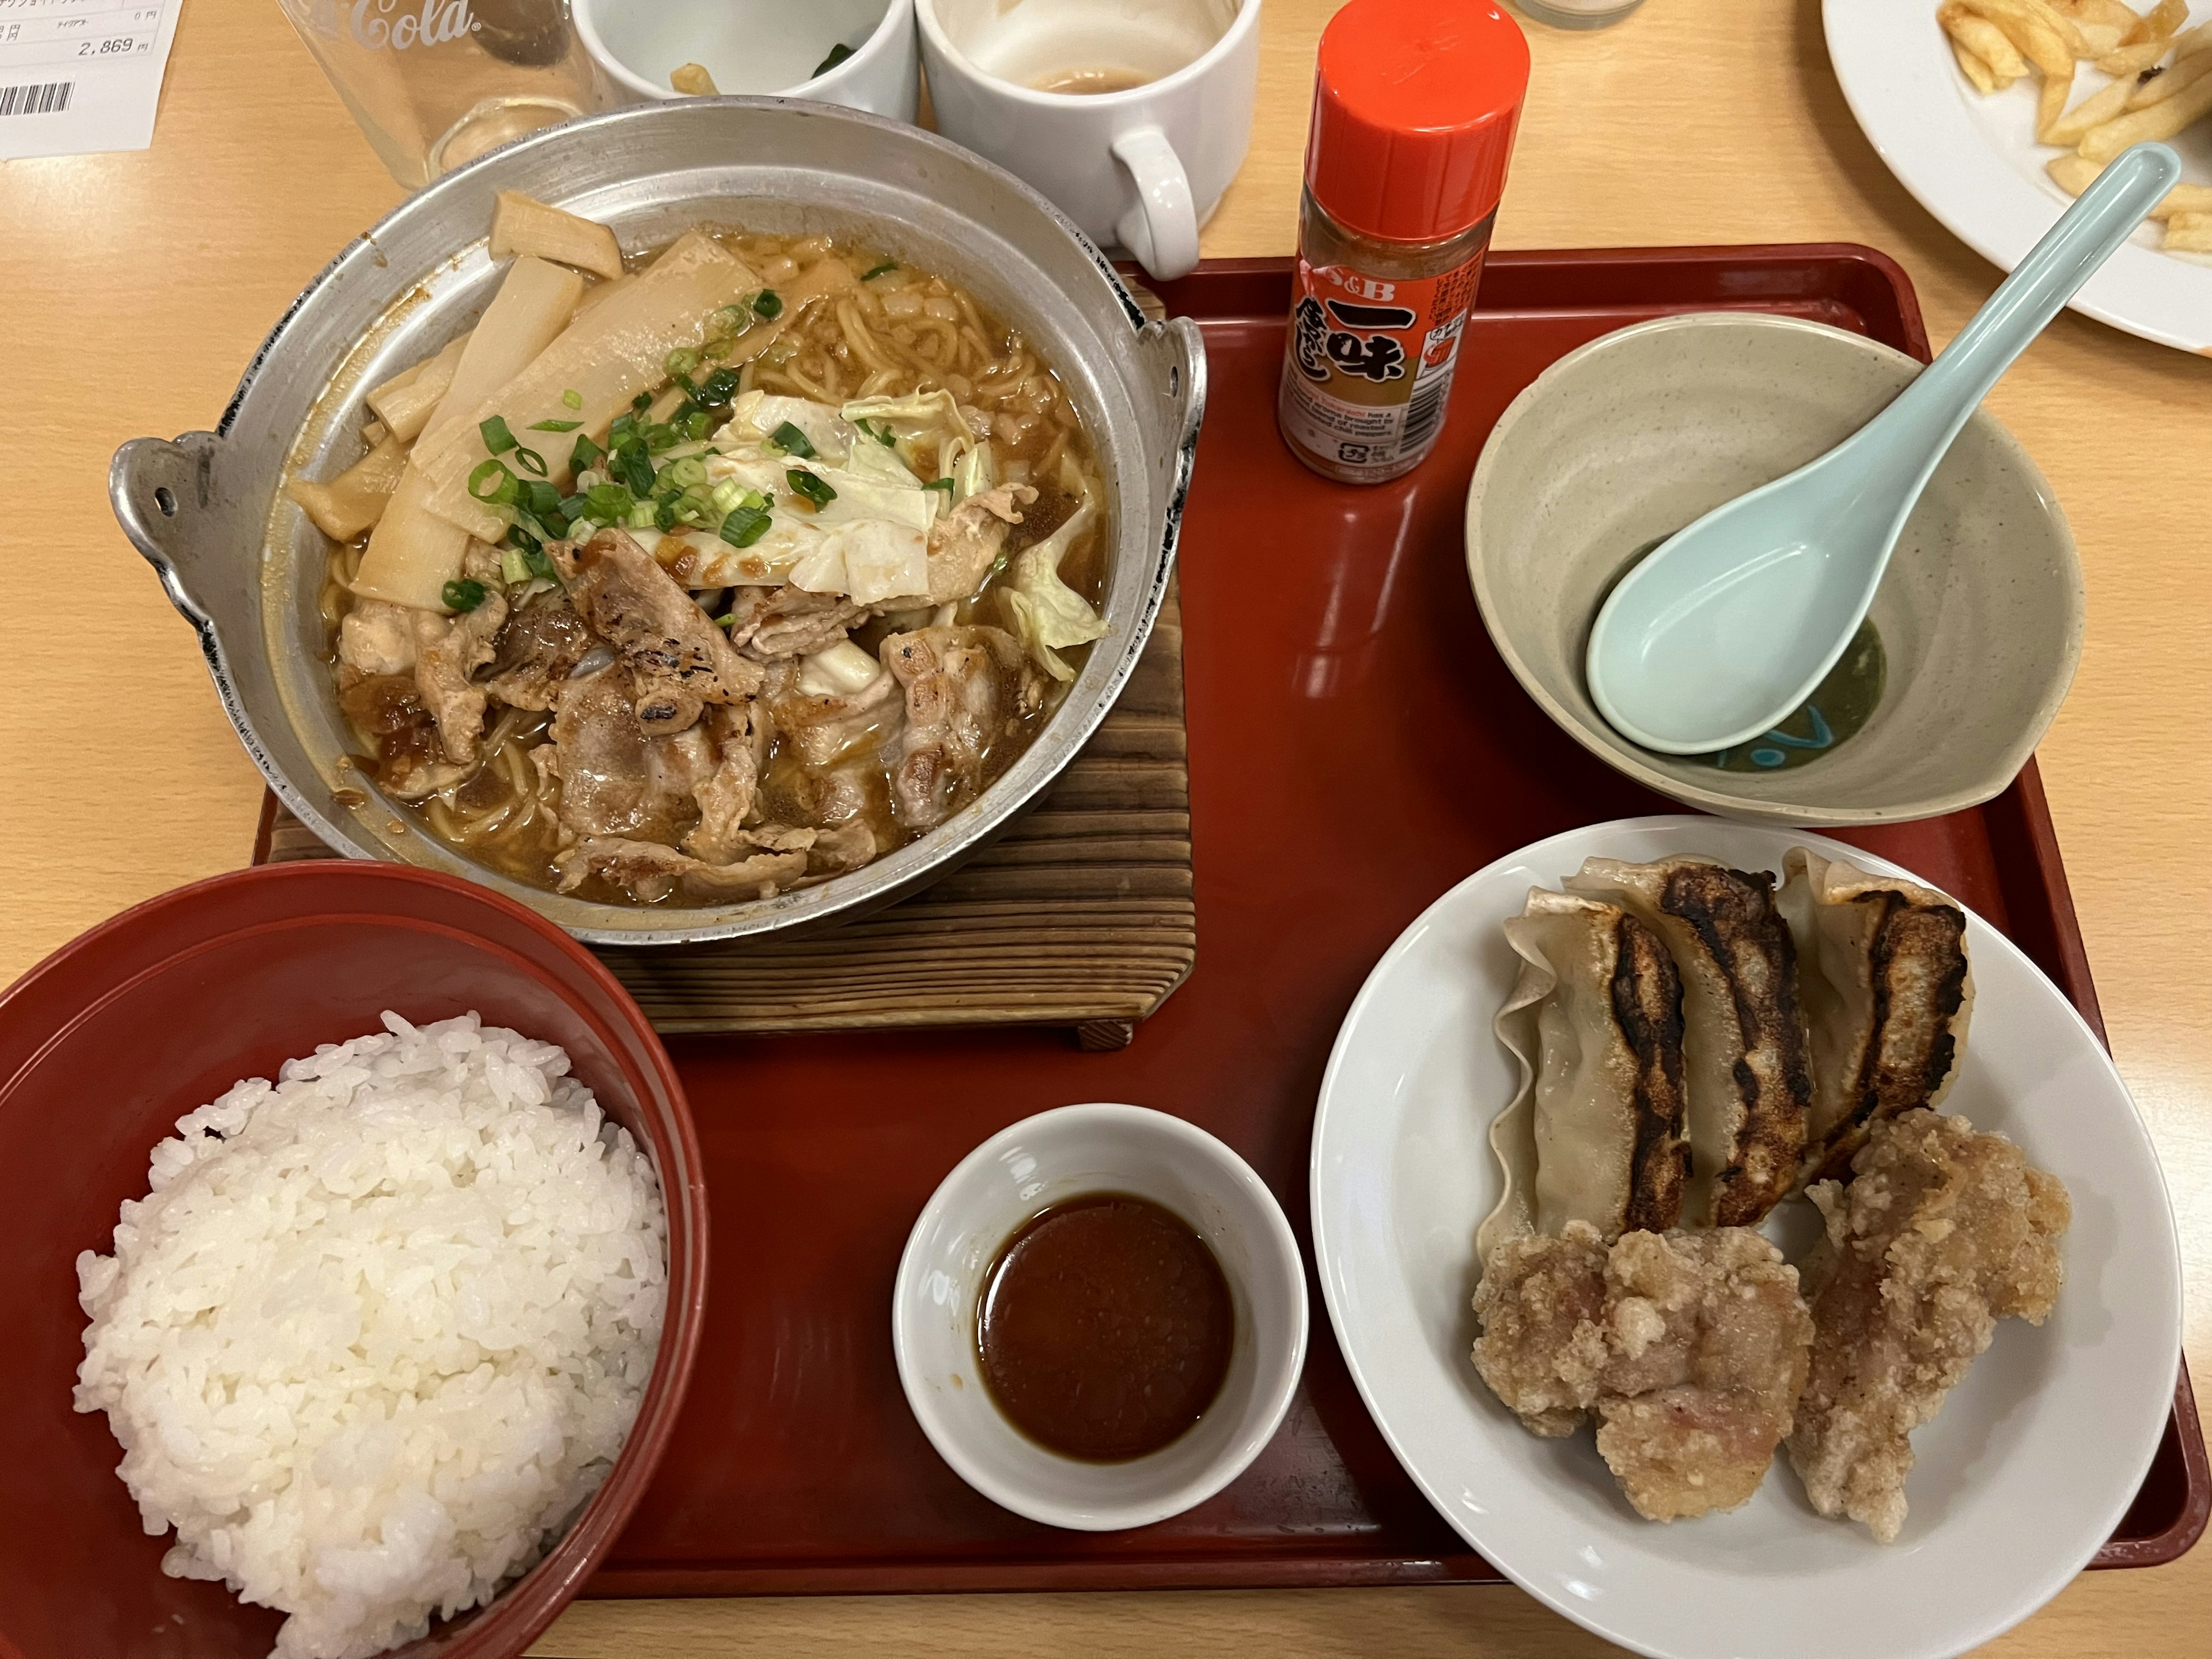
(539, 649)
(376, 638)
(967, 690)
(790, 621)
(448, 650)
(966, 542)
(679, 661)
(649, 871)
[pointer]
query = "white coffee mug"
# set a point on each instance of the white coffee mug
(1141, 152)
(758, 47)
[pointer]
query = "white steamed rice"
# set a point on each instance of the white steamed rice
(380, 1329)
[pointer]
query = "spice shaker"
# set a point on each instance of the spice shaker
(1415, 104)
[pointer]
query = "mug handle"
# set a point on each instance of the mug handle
(1162, 229)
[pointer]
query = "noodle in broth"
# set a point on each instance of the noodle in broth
(876, 330)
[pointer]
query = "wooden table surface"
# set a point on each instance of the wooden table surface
(134, 288)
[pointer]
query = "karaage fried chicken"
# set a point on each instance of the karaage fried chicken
(1943, 1232)
(1689, 1346)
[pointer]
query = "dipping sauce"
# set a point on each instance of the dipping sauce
(1839, 705)
(1104, 1328)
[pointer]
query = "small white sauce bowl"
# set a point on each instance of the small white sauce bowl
(1045, 1160)
(749, 47)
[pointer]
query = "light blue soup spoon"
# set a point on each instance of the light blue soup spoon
(1727, 627)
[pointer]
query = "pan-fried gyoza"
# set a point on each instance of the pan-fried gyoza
(715, 578)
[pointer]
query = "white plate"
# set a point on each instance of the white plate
(2033, 1460)
(1973, 163)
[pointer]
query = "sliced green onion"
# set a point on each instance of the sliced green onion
(727, 495)
(744, 526)
(725, 621)
(718, 388)
(660, 435)
(573, 399)
(542, 500)
(495, 474)
(882, 434)
(642, 402)
(622, 431)
(697, 424)
(686, 474)
(791, 441)
(608, 503)
(513, 568)
(665, 516)
(555, 426)
(539, 562)
(584, 453)
(888, 265)
(530, 461)
(680, 362)
(816, 490)
(768, 303)
(634, 467)
(944, 484)
(462, 595)
(497, 440)
(838, 54)
(642, 515)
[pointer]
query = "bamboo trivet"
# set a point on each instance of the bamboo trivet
(1080, 914)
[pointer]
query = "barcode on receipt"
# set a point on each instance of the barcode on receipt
(41, 98)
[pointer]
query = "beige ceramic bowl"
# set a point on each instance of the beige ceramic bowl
(1631, 437)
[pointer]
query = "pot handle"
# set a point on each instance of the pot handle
(163, 494)
(1175, 355)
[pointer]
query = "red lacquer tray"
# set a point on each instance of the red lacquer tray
(1355, 747)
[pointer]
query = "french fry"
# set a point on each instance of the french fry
(2185, 201)
(1974, 68)
(2134, 60)
(2102, 14)
(2190, 232)
(2163, 120)
(1984, 40)
(2093, 111)
(2098, 39)
(2196, 40)
(2067, 31)
(2160, 23)
(2075, 173)
(2050, 104)
(2179, 78)
(2027, 30)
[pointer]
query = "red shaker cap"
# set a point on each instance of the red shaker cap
(1415, 103)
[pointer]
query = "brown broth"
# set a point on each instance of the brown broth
(1104, 1328)
(938, 334)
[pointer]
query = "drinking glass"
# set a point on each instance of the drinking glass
(437, 83)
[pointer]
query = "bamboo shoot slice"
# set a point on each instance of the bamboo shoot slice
(406, 402)
(615, 351)
(357, 498)
(522, 224)
(415, 552)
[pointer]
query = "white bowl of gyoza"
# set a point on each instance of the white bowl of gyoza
(709, 517)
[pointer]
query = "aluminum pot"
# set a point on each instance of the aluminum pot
(244, 565)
